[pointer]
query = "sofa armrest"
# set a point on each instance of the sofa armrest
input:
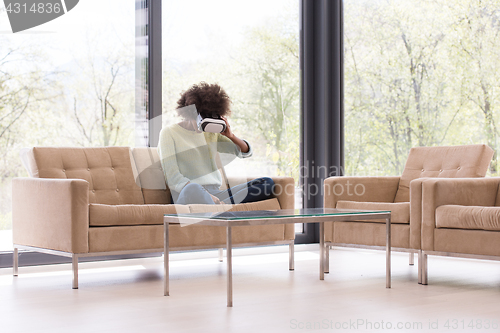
(369, 189)
(453, 191)
(51, 213)
(284, 191)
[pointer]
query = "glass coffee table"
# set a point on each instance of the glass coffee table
(230, 219)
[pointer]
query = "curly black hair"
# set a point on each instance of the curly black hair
(209, 99)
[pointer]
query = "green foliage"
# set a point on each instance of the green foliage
(418, 73)
(88, 103)
(270, 58)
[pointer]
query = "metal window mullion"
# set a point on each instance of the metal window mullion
(154, 72)
(322, 144)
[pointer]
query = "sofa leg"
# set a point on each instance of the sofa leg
(15, 261)
(291, 252)
(419, 266)
(74, 265)
(412, 258)
(424, 268)
(327, 259)
(221, 254)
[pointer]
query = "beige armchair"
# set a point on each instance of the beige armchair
(460, 218)
(401, 195)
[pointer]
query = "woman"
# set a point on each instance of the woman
(188, 155)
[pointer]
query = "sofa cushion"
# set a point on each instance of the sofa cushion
(108, 170)
(247, 234)
(122, 215)
(151, 176)
(443, 162)
(145, 237)
(468, 217)
(400, 212)
(269, 204)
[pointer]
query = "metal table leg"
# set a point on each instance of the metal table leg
(419, 266)
(327, 259)
(74, 265)
(321, 250)
(166, 291)
(15, 264)
(424, 268)
(229, 259)
(388, 253)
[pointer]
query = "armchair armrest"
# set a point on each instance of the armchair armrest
(51, 213)
(453, 191)
(416, 213)
(369, 189)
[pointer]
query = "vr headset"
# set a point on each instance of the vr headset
(212, 124)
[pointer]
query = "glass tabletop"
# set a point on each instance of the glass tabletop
(281, 213)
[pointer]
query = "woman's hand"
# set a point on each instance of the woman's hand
(227, 132)
(237, 141)
(216, 200)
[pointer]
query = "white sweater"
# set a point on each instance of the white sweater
(188, 156)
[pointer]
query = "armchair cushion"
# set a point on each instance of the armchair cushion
(400, 212)
(468, 217)
(443, 162)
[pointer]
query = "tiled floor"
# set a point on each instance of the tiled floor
(127, 296)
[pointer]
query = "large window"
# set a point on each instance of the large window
(419, 73)
(74, 81)
(251, 48)
(69, 82)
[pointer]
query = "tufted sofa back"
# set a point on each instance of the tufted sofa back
(110, 171)
(443, 162)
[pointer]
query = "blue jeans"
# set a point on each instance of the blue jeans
(255, 190)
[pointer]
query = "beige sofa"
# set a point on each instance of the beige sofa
(400, 195)
(82, 202)
(461, 218)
